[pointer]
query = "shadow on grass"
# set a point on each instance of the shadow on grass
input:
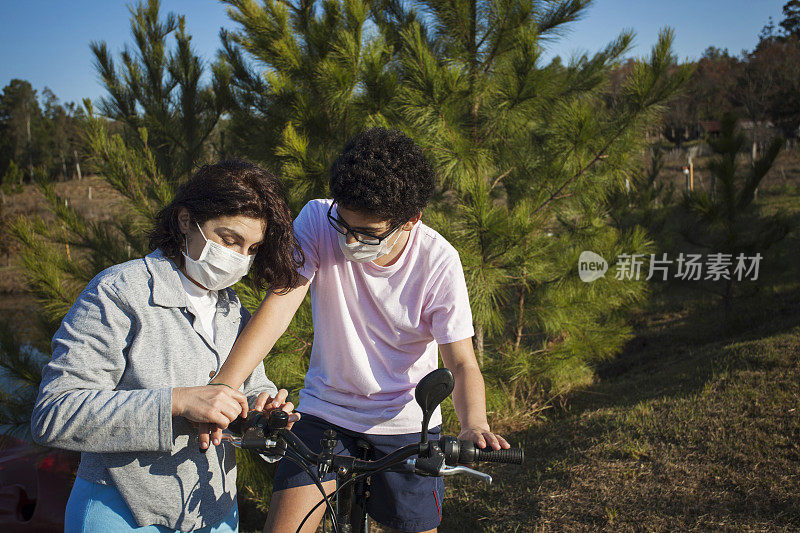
(691, 427)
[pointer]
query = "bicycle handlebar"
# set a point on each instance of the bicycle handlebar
(267, 434)
(466, 452)
(442, 457)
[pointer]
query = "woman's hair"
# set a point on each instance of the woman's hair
(382, 172)
(231, 188)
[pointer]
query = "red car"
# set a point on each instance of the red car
(35, 484)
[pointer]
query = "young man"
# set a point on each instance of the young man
(386, 291)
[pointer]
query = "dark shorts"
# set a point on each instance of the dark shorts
(399, 500)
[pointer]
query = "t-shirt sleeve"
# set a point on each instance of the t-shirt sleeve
(450, 313)
(306, 229)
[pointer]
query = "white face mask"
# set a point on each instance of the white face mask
(217, 267)
(359, 252)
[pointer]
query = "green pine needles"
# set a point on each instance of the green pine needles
(725, 219)
(529, 153)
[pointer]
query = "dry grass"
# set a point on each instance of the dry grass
(15, 302)
(694, 427)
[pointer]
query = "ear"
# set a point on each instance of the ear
(410, 224)
(184, 220)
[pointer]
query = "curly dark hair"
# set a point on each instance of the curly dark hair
(231, 188)
(384, 173)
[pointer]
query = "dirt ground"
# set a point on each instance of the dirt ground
(15, 302)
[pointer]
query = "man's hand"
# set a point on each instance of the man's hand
(209, 404)
(484, 437)
(469, 395)
(267, 403)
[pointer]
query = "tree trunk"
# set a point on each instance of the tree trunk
(63, 165)
(479, 343)
(30, 151)
(713, 187)
(77, 164)
(520, 318)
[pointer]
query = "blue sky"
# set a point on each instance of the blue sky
(54, 51)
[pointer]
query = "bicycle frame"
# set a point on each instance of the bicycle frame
(356, 519)
(442, 457)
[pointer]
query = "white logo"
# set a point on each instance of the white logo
(719, 266)
(591, 266)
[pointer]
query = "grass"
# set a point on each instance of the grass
(695, 426)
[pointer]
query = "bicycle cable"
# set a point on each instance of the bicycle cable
(342, 486)
(298, 460)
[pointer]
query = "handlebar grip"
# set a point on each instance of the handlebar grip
(238, 426)
(514, 456)
(241, 425)
(277, 420)
(469, 453)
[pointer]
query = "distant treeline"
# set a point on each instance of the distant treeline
(38, 135)
(761, 86)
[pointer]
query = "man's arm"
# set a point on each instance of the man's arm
(252, 346)
(260, 335)
(469, 395)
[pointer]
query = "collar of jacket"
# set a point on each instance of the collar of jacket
(167, 290)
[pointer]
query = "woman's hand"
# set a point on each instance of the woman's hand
(484, 437)
(209, 404)
(210, 432)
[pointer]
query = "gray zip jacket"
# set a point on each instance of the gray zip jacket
(107, 392)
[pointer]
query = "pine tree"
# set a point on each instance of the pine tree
(34, 137)
(318, 79)
(303, 78)
(11, 181)
(160, 88)
(168, 115)
(59, 259)
(726, 219)
(791, 19)
(645, 200)
(528, 153)
(57, 145)
(20, 125)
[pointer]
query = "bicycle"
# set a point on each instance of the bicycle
(443, 457)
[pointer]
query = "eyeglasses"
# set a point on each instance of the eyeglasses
(364, 238)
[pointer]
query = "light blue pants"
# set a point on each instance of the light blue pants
(96, 508)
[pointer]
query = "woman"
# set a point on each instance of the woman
(128, 380)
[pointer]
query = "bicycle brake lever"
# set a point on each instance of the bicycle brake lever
(237, 441)
(455, 470)
(233, 439)
(445, 470)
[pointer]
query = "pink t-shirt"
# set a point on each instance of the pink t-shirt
(376, 329)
